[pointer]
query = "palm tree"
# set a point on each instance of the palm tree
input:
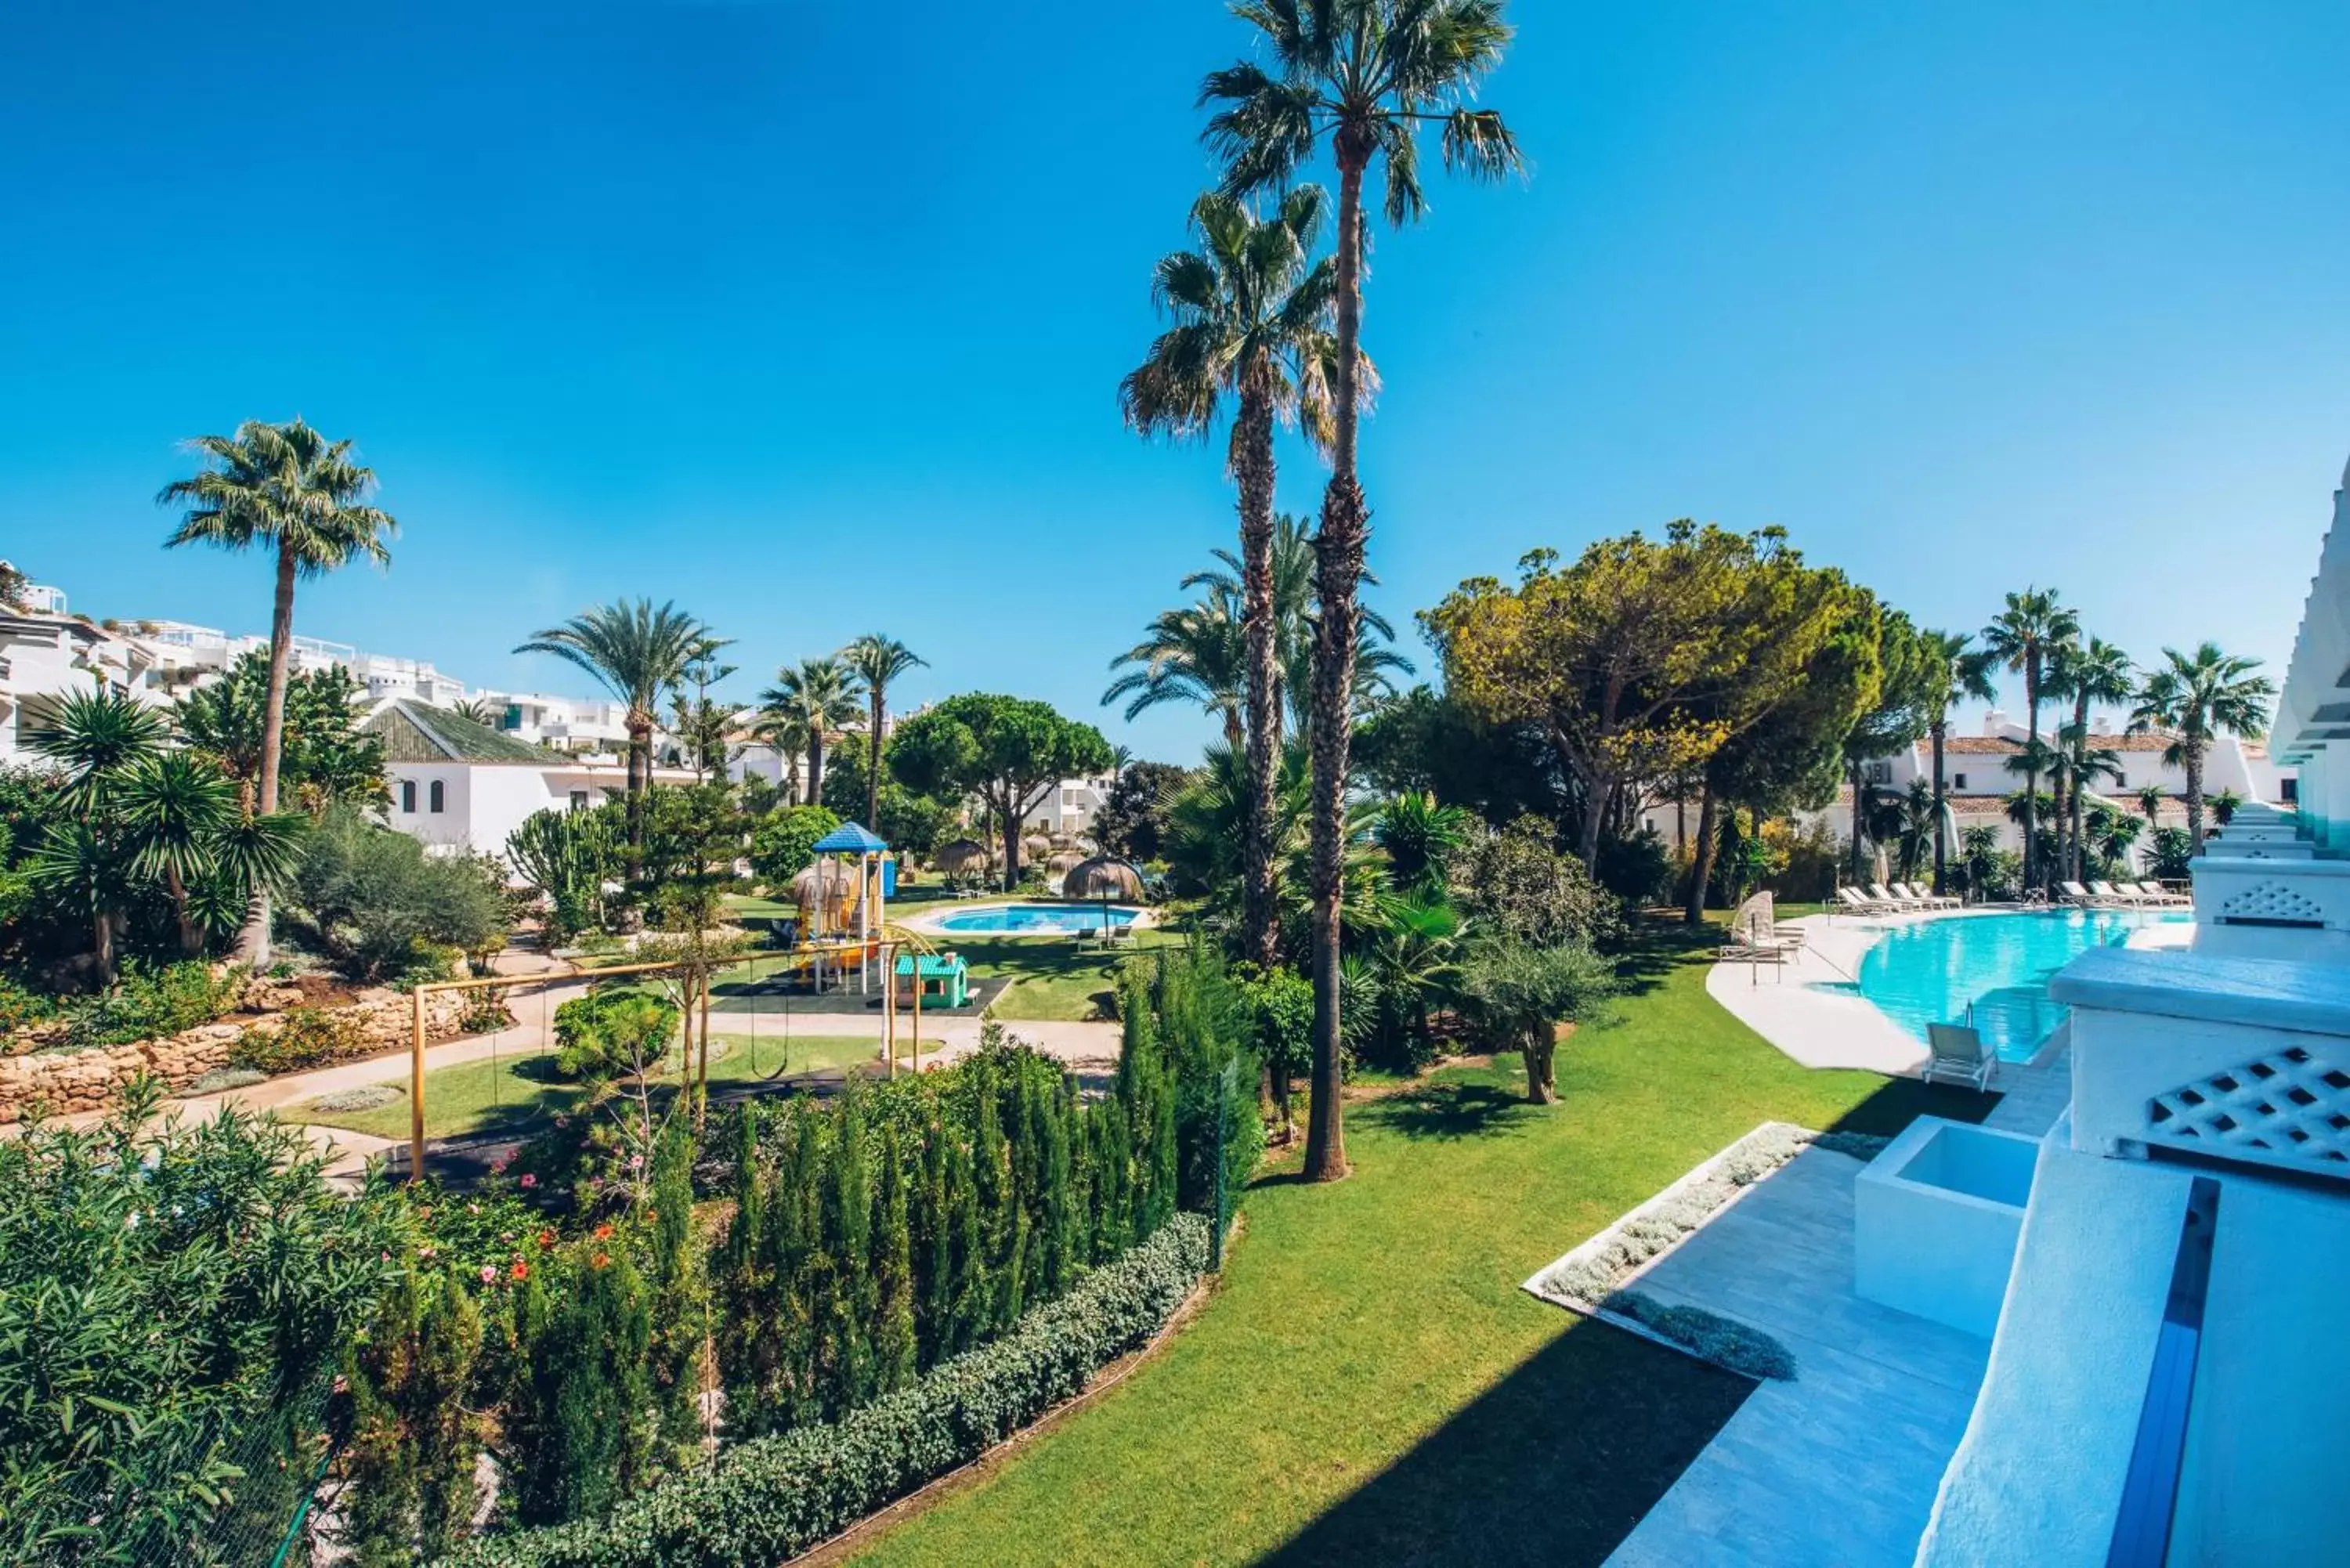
(97, 738)
(1251, 323)
(1958, 670)
(1365, 75)
(638, 653)
(2074, 766)
(817, 697)
(788, 736)
(2091, 672)
(1296, 625)
(2149, 803)
(286, 488)
(1195, 654)
(480, 711)
(2024, 638)
(1420, 837)
(2114, 832)
(2196, 698)
(2035, 760)
(174, 809)
(2224, 806)
(878, 661)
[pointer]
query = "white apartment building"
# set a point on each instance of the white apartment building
(1071, 807)
(583, 727)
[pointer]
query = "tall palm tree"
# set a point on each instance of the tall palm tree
(2023, 636)
(1251, 323)
(1197, 653)
(878, 661)
(2197, 698)
(1363, 74)
(2090, 672)
(1958, 670)
(638, 653)
(289, 489)
(816, 697)
(2149, 803)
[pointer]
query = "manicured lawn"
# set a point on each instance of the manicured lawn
(515, 1091)
(1369, 1384)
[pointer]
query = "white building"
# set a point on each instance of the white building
(1071, 807)
(589, 726)
(460, 785)
(43, 656)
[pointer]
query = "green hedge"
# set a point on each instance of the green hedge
(775, 1498)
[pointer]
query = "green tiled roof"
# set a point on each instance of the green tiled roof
(416, 731)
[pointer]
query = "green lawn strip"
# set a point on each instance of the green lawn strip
(1052, 977)
(1370, 1384)
(515, 1092)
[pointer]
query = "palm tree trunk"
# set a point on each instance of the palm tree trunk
(873, 765)
(253, 939)
(1941, 853)
(1702, 864)
(1011, 841)
(102, 945)
(1253, 448)
(192, 942)
(2191, 753)
(815, 766)
(1338, 565)
(641, 758)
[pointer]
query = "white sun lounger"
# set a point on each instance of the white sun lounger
(2156, 894)
(2129, 898)
(1955, 1054)
(1931, 900)
(1885, 895)
(2076, 894)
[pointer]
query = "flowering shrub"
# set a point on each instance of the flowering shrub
(306, 1037)
(774, 1498)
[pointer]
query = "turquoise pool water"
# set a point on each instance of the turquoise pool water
(1992, 970)
(1035, 919)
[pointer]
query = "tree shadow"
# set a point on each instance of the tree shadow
(1654, 946)
(1901, 1101)
(1450, 1110)
(1554, 1465)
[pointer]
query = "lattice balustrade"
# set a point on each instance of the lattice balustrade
(2288, 1108)
(2272, 901)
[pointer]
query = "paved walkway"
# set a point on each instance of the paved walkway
(1841, 1465)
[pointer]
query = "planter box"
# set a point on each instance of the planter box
(1935, 1220)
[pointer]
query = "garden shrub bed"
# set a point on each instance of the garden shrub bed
(774, 1498)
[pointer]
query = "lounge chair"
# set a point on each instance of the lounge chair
(2163, 897)
(1860, 903)
(1931, 900)
(1755, 957)
(2082, 897)
(1955, 1054)
(1762, 929)
(1885, 895)
(2129, 898)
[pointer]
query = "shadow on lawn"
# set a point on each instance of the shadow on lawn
(1553, 1465)
(1449, 1110)
(1654, 946)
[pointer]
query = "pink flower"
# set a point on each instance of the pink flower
(636, 1162)
(488, 1273)
(529, 1180)
(563, 1121)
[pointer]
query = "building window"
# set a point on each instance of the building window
(579, 800)
(2121, 780)
(2289, 790)
(1877, 772)
(438, 796)
(408, 797)
(1958, 780)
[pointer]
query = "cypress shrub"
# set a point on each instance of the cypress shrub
(585, 1392)
(895, 1353)
(413, 1436)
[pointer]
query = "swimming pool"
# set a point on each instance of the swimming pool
(1990, 971)
(1034, 919)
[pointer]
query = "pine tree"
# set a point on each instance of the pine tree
(894, 1350)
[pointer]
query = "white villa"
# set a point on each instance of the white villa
(1071, 807)
(460, 785)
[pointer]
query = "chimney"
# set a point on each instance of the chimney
(1994, 723)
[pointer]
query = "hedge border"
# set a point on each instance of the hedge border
(775, 1498)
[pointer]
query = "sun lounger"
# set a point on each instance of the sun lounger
(2081, 897)
(1931, 900)
(2129, 898)
(2162, 896)
(1885, 895)
(1955, 1054)
(1860, 903)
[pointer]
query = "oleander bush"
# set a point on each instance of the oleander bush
(774, 1498)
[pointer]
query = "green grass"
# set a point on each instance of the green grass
(515, 1091)
(1052, 977)
(1369, 1384)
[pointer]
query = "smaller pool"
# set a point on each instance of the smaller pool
(1035, 919)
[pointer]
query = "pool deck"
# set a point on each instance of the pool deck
(1811, 1007)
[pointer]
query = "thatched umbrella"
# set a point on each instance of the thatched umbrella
(836, 882)
(1105, 877)
(961, 855)
(1065, 860)
(1035, 847)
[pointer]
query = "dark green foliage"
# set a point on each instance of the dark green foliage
(894, 1353)
(170, 1296)
(2169, 851)
(1133, 821)
(414, 1438)
(676, 1279)
(323, 758)
(774, 1498)
(1521, 880)
(374, 901)
(782, 842)
(610, 1034)
(148, 1002)
(579, 1439)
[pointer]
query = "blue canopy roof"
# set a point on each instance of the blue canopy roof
(849, 838)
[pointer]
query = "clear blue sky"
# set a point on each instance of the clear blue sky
(811, 319)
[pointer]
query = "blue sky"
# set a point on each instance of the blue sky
(812, 322)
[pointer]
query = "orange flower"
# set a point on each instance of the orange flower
(601, 1259)
(521, 1270)
(604, 1231)
(652, 1213)
(545, 1239)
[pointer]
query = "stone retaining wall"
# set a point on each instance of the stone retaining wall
(92, 1080)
